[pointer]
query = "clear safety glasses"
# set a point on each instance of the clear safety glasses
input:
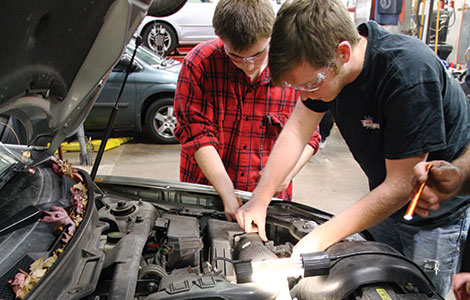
(313, 84)
(252, 59)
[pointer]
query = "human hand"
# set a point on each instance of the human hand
(312, 242)
(231, 204)
(461, 286)
(442, 182)
(252, 217)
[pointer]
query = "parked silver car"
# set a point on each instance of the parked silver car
(190, 25)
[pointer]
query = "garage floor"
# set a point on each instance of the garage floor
(330, 181)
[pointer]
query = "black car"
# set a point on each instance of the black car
(67, 235)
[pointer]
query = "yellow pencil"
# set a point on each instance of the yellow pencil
(414, 202)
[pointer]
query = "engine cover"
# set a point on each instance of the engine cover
(358, 264)
(183, 239)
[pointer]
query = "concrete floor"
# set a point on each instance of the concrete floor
(330, 181)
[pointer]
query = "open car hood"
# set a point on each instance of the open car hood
(55, 58)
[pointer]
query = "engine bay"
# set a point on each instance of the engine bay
(191, 250)
(148, 239)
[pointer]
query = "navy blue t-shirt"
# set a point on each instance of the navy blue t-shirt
(404, 103)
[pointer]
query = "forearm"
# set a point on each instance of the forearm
(463, 165)
(378, 204)
(211, 165)
(288, 149)
(374, 207)
(286, 152)
(304, 157)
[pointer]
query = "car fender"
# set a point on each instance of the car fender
(150, 88)
(153, 94)
(192, 23)
(148, 20)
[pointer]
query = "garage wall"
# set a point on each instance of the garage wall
(460, 29)
(458, 34)
(457, 30)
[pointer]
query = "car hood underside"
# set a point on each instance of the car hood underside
(55, 57)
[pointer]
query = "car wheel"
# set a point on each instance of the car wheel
(160, 121)
(163, 8)
(160, 38)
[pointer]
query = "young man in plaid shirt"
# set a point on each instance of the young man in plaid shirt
(229, 113)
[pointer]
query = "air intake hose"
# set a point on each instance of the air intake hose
(250, 246)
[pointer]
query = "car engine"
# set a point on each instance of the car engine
(149, 239)
(188, 249)
(186, 253)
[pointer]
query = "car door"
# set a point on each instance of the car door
(99, 115)
(194, 21)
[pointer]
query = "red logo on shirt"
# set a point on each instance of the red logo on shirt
(368, 123)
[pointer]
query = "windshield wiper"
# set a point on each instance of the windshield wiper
(24, 217)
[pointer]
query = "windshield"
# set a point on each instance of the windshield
(5, 162)
(147, 56)
(9, 157)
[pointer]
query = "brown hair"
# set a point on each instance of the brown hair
(243, 22)
(308, 30)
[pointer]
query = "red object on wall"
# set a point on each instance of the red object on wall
(180, 52)
(401, 18)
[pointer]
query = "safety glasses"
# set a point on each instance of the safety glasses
(252, 59)
(313, 84)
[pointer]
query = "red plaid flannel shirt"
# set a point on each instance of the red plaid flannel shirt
(215, 104)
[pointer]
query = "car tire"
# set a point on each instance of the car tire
(160, 121)
(163, 8)
(160, 38)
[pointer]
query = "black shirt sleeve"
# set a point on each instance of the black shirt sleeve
(316, 105)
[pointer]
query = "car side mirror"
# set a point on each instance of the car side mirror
(124, 63)
(135, 67)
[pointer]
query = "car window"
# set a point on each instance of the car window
(123, 64)
(148, 57)
(8, 159)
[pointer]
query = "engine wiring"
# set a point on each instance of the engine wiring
(232, 261)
